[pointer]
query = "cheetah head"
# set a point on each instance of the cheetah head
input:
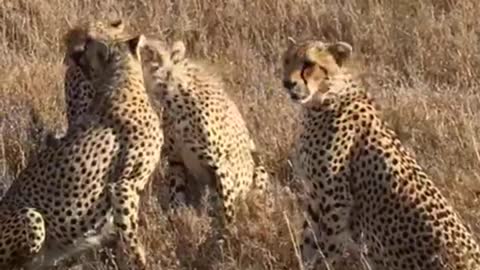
(307, 66)
(75, 40)
(159, 58)
(101, 59)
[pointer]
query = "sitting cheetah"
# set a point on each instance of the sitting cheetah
(362, 181)
(205, 133)
(85, 189)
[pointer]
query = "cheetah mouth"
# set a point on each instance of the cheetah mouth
(297, 97)
(300, 97)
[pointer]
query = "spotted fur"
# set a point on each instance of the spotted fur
(205, 133)
(85, 189)
(362, 183)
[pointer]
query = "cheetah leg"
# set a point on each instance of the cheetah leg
(325, 230)
(261, 178)
(263, 186)
(125, 201)
(177, 179)
(22, 235)
(227, 193)
(175, 172)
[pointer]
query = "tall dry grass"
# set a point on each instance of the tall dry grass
(421, 60)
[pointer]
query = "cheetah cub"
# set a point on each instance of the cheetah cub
(205, 133)
(363, 184)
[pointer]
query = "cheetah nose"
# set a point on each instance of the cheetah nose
(289, 84)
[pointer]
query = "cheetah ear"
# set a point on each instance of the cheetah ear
(178, 51)
(341, 51)
(135, 44)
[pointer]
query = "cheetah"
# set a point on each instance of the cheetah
(363, 185)
(205, 133)
(85, 189)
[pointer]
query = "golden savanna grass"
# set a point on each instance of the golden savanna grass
(420, 59)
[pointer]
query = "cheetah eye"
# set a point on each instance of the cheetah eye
(307, 64)
(154, 66)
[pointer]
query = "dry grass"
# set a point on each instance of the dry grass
(421, 59)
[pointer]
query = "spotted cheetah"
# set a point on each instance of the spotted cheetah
(85, 189)
(205, 133)
(362, 183)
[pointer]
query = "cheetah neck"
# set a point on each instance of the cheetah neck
(192, 72)
(338, 88)
(183, 76)
(344, 84)
(125, 85)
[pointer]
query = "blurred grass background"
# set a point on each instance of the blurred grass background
(420, 59)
